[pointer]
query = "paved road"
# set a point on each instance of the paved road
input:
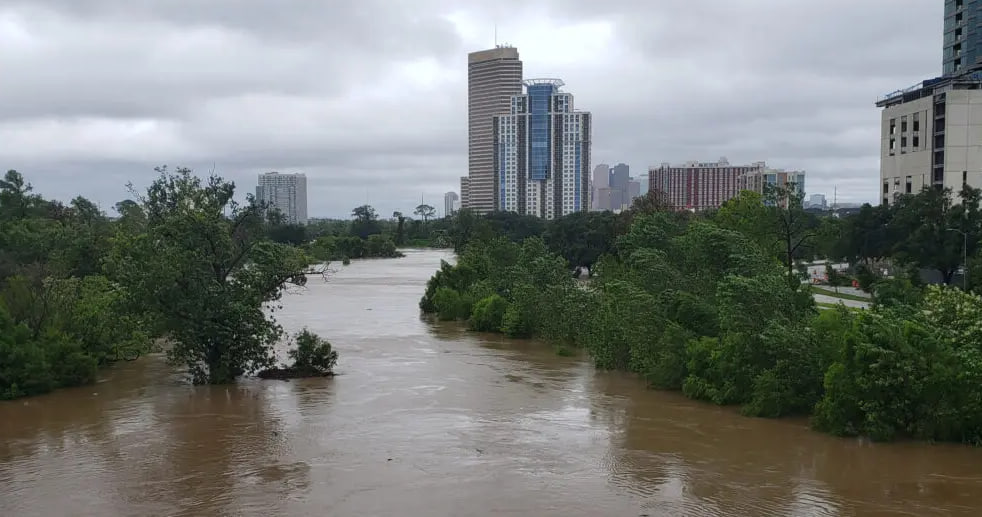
(821, 298)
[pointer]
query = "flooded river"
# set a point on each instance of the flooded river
(428, 419)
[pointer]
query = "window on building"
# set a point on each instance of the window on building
(959, 4)
(903, 124)
(915, 142)
(893, 145)
(908, 187)
(964, 177)
(886, 187)
(893, 126)
(917, 122)
(903, 143)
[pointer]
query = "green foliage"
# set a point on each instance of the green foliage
(866, 277)
(330, 248)
(204, 268)
(449, 304)
(489, 313)
(712, 305)
(294, 234)
(896, 292)
(425, 211)
(60, 317)
(365, 222)
(312, 354)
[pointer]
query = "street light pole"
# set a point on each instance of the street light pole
(964, 257)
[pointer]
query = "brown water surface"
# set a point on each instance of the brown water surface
(431, 420)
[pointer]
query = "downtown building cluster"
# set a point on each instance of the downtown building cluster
(529, 152)
(528, 148)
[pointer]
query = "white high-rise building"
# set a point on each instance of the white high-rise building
(286, 193)
(542, 153)
(450, 205)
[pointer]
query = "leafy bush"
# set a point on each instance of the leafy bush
(32, 365)
(313, 353)
(450, 305)
(489, 313)
(866, 277)
(896, 292)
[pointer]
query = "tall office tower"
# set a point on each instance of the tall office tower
(601, 180)
(465, 189)
(450, 203)
(493, 77)
(817, 201)
(286, 193)
(962, 47)
(699, 185)
(620, 175)
(542, 153)
(633, 191)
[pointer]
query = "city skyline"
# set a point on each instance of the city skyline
(99, 112)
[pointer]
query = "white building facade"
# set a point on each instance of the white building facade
(286, 193)
(931, 136)
(450, 203)
(542, 153)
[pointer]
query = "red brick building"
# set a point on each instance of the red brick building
(699, 185)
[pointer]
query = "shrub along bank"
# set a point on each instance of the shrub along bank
(690, 305)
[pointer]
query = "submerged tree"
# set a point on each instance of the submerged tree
(203, 267)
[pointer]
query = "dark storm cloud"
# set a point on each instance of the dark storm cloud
(369, 98)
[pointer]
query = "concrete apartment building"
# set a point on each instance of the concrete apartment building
(494, 76)
(931, 133)
(286, 193)
(450, 203)
(541, 157)
(699, 185)
(758, 181)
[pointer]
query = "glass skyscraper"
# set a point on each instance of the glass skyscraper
(962, 36)
(542, 153)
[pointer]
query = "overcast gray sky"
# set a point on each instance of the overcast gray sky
(368, 97)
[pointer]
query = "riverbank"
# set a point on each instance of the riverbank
(464, 417)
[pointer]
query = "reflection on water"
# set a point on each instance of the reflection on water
(429, 419)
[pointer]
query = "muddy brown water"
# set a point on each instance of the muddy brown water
(431, 420)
